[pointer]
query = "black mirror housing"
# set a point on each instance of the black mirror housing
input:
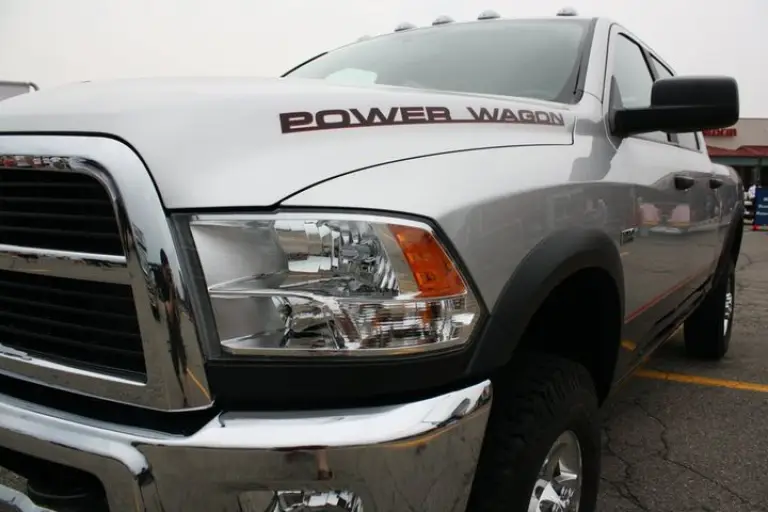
(682, 104)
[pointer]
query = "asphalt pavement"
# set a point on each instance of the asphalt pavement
(690, 436)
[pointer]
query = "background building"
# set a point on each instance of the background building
(8, 89)
(744, 147)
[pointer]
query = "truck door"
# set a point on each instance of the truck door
(660, 262)
(705, 200)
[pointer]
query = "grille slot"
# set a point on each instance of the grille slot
(85, 323)
(57, 210)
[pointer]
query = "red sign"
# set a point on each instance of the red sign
(721, 132)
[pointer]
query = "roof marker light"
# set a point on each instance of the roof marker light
(442, 20)
(489, 15)
(404, 26)
(567, 11)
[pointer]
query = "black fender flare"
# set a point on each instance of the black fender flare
(547, 265)
(734, 236)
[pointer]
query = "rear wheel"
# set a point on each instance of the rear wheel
(707, 331)
(542, 445)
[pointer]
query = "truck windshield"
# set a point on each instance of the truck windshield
(527, 58)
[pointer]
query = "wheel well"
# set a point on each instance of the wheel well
(580, 320)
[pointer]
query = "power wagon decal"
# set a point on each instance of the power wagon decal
(333, 119)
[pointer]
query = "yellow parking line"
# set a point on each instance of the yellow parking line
(629, 345)
(702, 381)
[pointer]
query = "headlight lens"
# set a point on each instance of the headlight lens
(297, 284)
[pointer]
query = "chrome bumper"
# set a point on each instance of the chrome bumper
(417, 456)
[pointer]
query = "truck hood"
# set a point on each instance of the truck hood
(218, 142)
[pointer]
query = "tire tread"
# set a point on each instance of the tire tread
(529, 393)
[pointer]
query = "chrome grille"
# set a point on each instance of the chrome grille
(82, 235)
(79, 322)
(56, 210)
(84, 323)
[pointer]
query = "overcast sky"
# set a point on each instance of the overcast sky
(57, 41)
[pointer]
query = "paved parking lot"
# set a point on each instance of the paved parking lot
(689, 436)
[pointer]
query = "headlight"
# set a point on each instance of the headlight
(298, 284)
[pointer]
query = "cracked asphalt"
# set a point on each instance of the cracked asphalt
(671, 446)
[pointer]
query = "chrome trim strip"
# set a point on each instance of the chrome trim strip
(146, 233)
(215, 219)
(15, 363)
(414, 456)
(103, 268)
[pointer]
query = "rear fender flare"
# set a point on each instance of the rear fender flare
(734, 236)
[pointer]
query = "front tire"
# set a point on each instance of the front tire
(707, 332)
(542, 444)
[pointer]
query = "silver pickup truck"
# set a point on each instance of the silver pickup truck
(402, 277)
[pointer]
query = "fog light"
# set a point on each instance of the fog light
(315, 501)
(302, 501)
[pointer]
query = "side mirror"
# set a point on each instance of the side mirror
(682, 104)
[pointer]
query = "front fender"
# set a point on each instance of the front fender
(549, 264)
(517, 218)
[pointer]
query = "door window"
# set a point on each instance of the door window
(686, 140)
(632, 80)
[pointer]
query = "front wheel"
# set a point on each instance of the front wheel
(542, 446)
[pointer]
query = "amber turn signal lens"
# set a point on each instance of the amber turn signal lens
(432, 268)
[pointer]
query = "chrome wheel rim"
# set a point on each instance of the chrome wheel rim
(728, 313)
(558, 484)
